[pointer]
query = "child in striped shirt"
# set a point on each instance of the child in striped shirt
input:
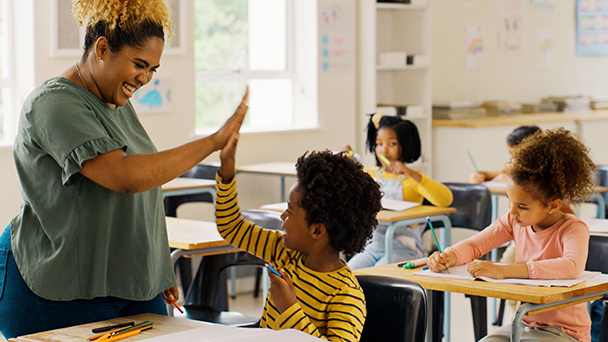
(331, 209)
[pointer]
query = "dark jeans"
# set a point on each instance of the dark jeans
(22, 312)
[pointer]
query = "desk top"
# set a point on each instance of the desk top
(387, 215)
(278, 168)
(193, 234)
(523, 119)
(183, 183)
(163, 325)
(524, 293)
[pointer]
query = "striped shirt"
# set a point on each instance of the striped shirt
(329, 305)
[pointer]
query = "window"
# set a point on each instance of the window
(6, 76)
(240, 42)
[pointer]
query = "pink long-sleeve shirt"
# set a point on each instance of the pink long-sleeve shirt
(558, 252)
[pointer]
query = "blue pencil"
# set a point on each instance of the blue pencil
(273, 270)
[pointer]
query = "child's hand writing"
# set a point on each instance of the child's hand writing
(478, 177)
(281, 290)
(228, 156)
(439, 262)
(478, 268)
(348, 151)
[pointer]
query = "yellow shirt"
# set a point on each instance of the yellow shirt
(330, 305)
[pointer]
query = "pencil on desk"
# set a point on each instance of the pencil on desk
(127, 334)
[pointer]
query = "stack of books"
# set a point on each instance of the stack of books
(499, 107)
(458, 110)
(599, 104)
(407, 110)
(538, 107)
(574, 103)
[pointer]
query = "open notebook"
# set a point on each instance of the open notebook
(460, 272)
(397, 205)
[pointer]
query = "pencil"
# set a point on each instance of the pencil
(473, 161)
(384, 159)
(177, 307)
(126, 334)
(434, 236)
(273, 270)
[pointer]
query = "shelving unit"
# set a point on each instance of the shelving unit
(394, 27)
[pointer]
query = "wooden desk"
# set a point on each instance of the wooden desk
(195, 238)
(189, 186)
(281, 169)
(534, 298)
(163, 325)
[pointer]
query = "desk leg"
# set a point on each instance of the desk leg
(282, 188)
(601, 205)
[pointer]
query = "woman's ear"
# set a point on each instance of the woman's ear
(101, 47)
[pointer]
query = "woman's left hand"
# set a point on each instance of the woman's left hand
(282, 291)
(479, 268)
(171, 294)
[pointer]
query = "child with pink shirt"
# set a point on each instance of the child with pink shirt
(548, 168)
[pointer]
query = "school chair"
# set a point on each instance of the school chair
(207, 299)
(201, 171)
(396, 309)
(597, 260)
(473, 203)
(602, 171)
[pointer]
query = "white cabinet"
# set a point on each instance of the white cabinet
(395, 29)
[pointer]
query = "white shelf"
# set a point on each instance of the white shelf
(414, 5)
(407, 67)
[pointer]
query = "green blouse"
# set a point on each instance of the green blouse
(74, 239)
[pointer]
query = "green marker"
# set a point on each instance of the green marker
(384, 159)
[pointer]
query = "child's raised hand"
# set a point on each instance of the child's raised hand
(439, 262)
(478, 177)
(479, 268)
(349, 152)
(228, 156)
(281, 290)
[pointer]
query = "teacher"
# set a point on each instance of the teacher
(90, 241)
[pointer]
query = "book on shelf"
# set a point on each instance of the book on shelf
(418, 60)
(458, 110)
(406, 110)
(500, 107)
(570, 103)
(538, 107)
(599, 104)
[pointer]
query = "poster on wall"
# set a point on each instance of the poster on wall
(544, 47)
(591, 27)
(473, 47)
(154, 97)
(336, 27)
(511, 33)
(548, 5)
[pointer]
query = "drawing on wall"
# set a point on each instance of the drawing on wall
(548, 5)
(544, 47)
(67, 38)
(473, 47)
(591, 27)
(336, 24)
(154, 97)
(511, 33)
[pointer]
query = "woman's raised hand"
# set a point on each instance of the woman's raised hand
(232, 125)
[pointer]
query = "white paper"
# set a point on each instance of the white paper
(495, 185)
(460, 272)
(597, 225)
(391, 204)
(223, 333)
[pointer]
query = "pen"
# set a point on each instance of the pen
(111, 327)
(104, 335)
(177, 307)
(273, 270)
(384, 159)
(425, 268)
(434, 236)
(473, 161)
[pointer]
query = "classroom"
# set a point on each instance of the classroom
(322, 67)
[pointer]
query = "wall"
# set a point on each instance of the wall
(336, 118)
(512, 76)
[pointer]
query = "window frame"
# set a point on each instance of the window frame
(8, 83)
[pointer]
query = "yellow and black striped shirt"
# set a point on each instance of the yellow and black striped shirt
(330, 305)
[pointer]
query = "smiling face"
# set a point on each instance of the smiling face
(527, 210)
(387, 144)
(297, 233)
(122, 73)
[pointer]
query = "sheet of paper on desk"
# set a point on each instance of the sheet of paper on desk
(597, 225)
(495, 185)
(223, 333)
(460, 272)
(397, 205)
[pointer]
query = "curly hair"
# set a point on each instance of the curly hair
(407, 135)
(553, 165)
(339, 194)
(122, 22)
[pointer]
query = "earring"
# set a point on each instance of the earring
(99, 59)
(550, 212)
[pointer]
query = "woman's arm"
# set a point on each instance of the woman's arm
(135, 173)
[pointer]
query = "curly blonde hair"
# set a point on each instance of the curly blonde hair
(129, 22)
(553, 165)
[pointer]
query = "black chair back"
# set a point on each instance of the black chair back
(603, 181)
(201, 171)
(396, 309)
(473, 203)
(597, 260)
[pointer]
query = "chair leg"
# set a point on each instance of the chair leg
(437, 313)
(479, 309)
(184, 266)
(604, 326)
(258, 281)
(501, 314)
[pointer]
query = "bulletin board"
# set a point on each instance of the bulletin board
(591, 27)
